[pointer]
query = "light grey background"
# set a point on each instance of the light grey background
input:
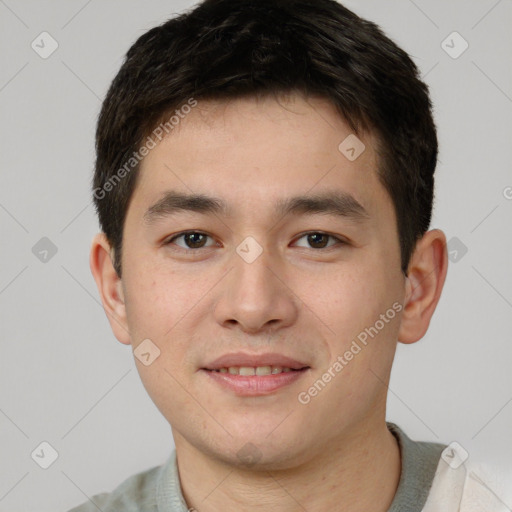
(66, 380)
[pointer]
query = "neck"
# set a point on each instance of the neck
(358, 473)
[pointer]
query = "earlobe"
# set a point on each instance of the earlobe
(109, 286)
(423, 285)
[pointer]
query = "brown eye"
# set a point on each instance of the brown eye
(190, 240)
(194, 240)
(319, 240)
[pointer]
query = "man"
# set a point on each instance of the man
(264, 183)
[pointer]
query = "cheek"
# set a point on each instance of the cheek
(360, 311)
(155, 301)
(158, 308)
(166, 307)
(352, 298)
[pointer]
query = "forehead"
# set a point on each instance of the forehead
(253, 150)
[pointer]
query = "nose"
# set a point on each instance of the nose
(255, 296)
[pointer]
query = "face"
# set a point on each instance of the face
(274, 297)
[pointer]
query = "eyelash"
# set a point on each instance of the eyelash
(184, 233)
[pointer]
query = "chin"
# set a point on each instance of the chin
(261, 452)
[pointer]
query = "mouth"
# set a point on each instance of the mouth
(255, 375)
(260, 371)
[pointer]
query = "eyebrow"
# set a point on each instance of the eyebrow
(338, 203)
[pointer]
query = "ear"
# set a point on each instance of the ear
(423, 286)
(110, 287)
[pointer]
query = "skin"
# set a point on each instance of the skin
(304, 301)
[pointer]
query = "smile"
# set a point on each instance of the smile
(254, 381)
(258, 370)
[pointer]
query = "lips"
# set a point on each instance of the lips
(254, 375)
(244, 360)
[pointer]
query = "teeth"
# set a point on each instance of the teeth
(258, 370)
(263, 370)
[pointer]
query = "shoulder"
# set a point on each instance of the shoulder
(138, 492)
(470, 487)
(486, 488)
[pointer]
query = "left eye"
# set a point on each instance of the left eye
(191, 239)
(319, 240)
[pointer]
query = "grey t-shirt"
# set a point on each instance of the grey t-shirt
(158, 489)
